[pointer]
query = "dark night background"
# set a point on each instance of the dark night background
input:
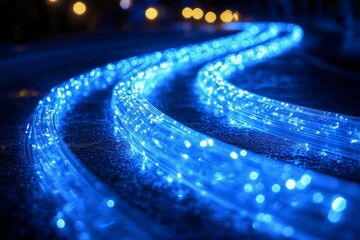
(44, 42)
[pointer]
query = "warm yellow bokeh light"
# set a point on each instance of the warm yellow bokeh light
(151, 13)
(236, 16)
(226, 16)
(198, 13)
(187, 12)
(125, 4)
(79, 8)
(52, 1)
(210, 17)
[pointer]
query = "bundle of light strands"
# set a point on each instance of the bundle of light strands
(282, 200)
(325, 131)
(85, 208)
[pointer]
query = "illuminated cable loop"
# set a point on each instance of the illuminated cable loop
(281, 199)
(325, 131)
(85, 207)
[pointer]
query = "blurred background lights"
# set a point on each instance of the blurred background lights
(187, 12)
(210, 17)
(79, 8)
(226, 16)
(236, 16)
(52, 1)
(151, 13)
(125, 4)
(198, 13)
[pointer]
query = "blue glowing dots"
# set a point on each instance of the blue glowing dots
(276, 188)
(288, 231)
(243, 153)
(337, 207)
(60, 223)
(290, 184)
(69, 183)
(317, 197)
(110, 203)
(57, 164)
(203, 143)
(339, 204)
(232, 177)
(254, 175)
(234, 155)
(260, 199)
(324, 131)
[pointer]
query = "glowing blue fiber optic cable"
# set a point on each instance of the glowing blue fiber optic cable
(325, 131)
(85, 207)
(278, 197)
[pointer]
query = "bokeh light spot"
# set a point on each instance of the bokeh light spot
(210, 17)
(187, 12)
(79, 8)
(60, 223)
(125, 4)
(110, 203)
(290, 184)
(198, 13)
(226, 16)
(339, 204)
(151, 13)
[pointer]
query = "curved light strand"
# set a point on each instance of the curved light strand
(325, 131)
(279, 198)
(85, 207)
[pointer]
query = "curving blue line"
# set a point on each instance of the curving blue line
(325, 131)
(86, 208)
(280, 198)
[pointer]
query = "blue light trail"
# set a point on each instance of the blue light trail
(313, 129)
(235, 178)
(278, 197)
